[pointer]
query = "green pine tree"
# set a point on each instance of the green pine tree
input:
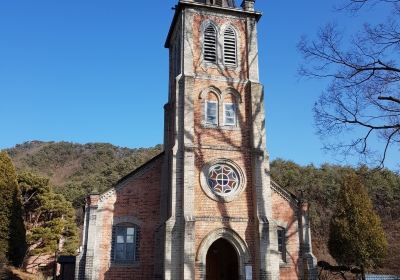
(356, 234)
(12, 231)
(49, 217)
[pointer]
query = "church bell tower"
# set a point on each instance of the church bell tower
(205, 208)
(217, 167)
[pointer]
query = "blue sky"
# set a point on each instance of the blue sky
(96, 71)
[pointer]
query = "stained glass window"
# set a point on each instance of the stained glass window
(223, 179)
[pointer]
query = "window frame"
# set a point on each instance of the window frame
(216, 112)
(204, 184)
(135, 243)
(282, 242)
(235, 114)
(216, 38)
(214, 179)
(234, 37)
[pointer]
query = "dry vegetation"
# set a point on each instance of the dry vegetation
(12, 273)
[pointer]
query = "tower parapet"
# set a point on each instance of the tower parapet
(248, 5)
(220, 3)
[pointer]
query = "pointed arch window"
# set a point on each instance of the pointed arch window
(230, 48)
(210, 44)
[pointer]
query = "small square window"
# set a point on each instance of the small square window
(130, 231)
(129, 239)
(120, 239)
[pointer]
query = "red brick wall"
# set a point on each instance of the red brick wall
(240, 26)
(140, 198)
(241, 207)
(283, 211)
(237, 138)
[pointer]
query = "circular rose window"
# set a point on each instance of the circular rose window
(223, 179)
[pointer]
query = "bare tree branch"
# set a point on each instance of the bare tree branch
(389, 98)
(362, 101)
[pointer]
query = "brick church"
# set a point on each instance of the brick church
(206, 207)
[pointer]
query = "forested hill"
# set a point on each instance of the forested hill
(321, 186)
(76, 169)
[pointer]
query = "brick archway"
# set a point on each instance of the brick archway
(234, 239)
(222, 261)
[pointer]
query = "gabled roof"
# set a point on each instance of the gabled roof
(139, 169)
(284, 193)
(135, 172)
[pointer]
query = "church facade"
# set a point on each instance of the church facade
(206, 207)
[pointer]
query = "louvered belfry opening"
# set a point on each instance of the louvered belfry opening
(229, 47)
(210, 44)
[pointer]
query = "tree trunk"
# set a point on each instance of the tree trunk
(362, 272)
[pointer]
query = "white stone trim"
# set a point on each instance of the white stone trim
(126, 180)
(213, 89)
(225, 26)
(203, 27)
(234, 92)
(207, 77)
(284, 194)
(126, 219)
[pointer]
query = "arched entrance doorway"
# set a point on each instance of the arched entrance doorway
(222, 261)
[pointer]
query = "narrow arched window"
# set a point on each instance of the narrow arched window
(230, 110)
(211, 109)
(230, 114)
(211, 112)
(282, 243)
(125, 241)
(230, 47)
(210, 44)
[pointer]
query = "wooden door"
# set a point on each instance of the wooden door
(222, 261)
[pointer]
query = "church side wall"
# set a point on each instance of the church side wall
(137, 200)
(285, 215)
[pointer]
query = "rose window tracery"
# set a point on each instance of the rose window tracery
(223, 179)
